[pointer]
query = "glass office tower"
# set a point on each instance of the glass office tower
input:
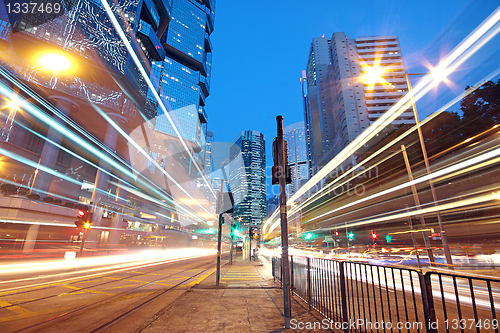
(295, 136)
(183, 76)
(247, 177)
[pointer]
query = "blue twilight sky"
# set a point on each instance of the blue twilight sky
(261, 47)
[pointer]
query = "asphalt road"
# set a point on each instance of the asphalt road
(120, 297)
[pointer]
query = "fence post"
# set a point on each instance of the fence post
(291, 274)
(309, 282)
(343, 296)
(428, 301)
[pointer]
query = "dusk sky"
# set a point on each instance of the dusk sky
(260, 49)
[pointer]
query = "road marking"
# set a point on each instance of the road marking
(201, 278)
(91, 291)
(126, 286)
(17, 309)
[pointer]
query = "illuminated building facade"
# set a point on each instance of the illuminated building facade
(341, 102)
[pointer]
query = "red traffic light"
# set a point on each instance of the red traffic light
(336, 233)
(374, 235)
(81, 213)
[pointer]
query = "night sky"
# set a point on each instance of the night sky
(261, 47)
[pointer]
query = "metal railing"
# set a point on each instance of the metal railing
(359, 297)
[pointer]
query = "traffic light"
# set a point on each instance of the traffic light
(336, 233)
(84, 219)
(234, 230)
(388, 239)
(308, 236)
(253, 233)
(350, 235)
(374, 235)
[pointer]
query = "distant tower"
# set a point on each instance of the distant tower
(295, 136)
(247, 177)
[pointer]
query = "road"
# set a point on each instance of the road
(96, 295)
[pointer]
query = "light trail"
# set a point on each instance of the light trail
(65, 132)
(462, 52)
(434, 175)
(150, 159)
(110, 265)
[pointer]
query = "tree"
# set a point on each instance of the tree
(481, 109)
(444, 131)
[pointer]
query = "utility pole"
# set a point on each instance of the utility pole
(220, 199)
(282, 175)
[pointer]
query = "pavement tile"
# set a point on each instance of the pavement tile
(255, 305)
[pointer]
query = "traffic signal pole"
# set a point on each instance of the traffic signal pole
(285, 269)
(83, 242)
(250, 243)
(221, 220)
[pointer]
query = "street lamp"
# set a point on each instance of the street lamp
(54, 62)
(444, 238)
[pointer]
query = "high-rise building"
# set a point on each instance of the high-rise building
(344, 103)
(295, 136)
(317, 104)
(247, 177)
(183, 76)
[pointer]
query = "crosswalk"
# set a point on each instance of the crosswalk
(240, 274)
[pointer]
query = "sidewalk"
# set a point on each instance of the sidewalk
(248, 300)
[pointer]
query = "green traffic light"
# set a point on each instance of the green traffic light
(236, 232)
(308, 235)
(350, 235)
(388, 238)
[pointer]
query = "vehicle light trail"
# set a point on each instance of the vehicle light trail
(462, 52)
(65, 132)
(109, 263)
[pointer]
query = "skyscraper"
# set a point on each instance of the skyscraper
(317, 103)
(183, 76)
(247, 177)
(295, 136)
(340, 99)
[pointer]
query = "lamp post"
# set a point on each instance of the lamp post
(444, 238)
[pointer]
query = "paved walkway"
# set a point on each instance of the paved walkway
(248, 300)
